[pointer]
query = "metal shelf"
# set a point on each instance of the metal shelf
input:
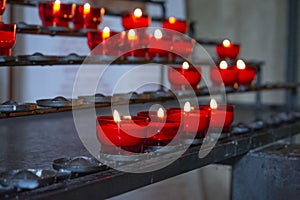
(112, 182)
(38, 59)
(182, 94)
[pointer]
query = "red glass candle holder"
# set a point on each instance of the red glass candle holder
(94, 18)
(46, 13)
(179, 77)
(137, 42)
(111, 133)
(2, 6)
(182, 47)
(175, 24)
(246, 76)
(7, 38)
(228, 51)
(78, 18)
(130, 21)
(96, 37)
(65, 14)
(225, 112)
(160, 131)
(159, 47)
(228, 76)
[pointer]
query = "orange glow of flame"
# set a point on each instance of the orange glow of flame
(106, 33)
(86, 9)
(138, 13)
(56, 6)
(213, 104)
(187, 107)
(116, 116)
(240, 64)
(160, 113)
(185, 65)
(226, 43)
(223, 64)
(172, 20)
(132, 35)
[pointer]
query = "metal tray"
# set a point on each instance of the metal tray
(12, 106)
(28, 178)
(97, 98)
(78, 164)
(58, 102)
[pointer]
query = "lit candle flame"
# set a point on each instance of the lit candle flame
(223, 64)
(132, 35)
(160, 113)
(185, 65)
(226, 43)
(86, 9)
(157, 34)
(213, 104)
(172, 20)
(102, 11)
(106, 33)
(116, 116)
(56, 6)
(240, 64)
(138, 13)
(187, 107)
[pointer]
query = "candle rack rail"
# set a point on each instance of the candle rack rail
(110, 182)
(140, 99)
(39, 59)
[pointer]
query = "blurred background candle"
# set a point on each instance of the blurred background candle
(158, 45)
(92, 16)
(246, 74)
(46, 12)
(175, 24)
(64, 13)
(7, 38)
(112, 132)
(136, 44)
(182, 46)
(227, 49)
(2, 7)
(224, 74)
(180, 77)
(137, 19)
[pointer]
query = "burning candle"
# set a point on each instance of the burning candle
(195, 120)
(160, 131)
(182, 47)
(137, 19)
(221, 116)
(64, 13)
(136, 44)
(246, 74)
(227, 49)
(175, 24)
(2, 6)
(92, 16)
(159, 45)
(180, 77)
(7, 38)
(105, 33)
(46, 13)
(127, 132)
(224, 74)
(86, 9)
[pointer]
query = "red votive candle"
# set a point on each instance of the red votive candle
(46, 12)
(65, 14)
(221, 116)
(224, 74)
(2, 6)
(227, 50)
(159, 45)
(175, 24)
(135, 20)
(7, 38)
(182, 47)
(97, 37)
(134, 39)
(246, 74)
(126, 133)
(160, 131)
(179, 77)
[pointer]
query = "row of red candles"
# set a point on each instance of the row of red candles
(155, 128)
(85, 16)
